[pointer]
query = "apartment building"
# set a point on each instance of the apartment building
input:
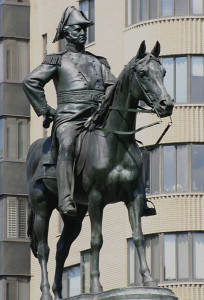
(173, 172)
(14, 142)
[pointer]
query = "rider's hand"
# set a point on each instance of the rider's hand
(51, 112)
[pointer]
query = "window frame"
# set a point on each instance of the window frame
(17, 280)
(17, 120)
(6, 221)
(15, 59)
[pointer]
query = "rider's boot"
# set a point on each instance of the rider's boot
(148, 211)
(66, 205)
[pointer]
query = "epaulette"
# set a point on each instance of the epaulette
(53, 59)
(102, 59)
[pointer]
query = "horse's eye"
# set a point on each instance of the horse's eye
(141, 73)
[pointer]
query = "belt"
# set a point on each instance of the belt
(79, 97)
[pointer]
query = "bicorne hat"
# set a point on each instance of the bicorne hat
(71, 16)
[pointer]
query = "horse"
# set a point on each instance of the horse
(111, 173)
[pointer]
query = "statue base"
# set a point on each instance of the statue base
(130, 293)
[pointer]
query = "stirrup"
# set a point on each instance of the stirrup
(149, 211)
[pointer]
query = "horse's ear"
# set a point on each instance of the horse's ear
(156, 50)
(141, 51)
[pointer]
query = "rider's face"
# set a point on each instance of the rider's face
(76, 34)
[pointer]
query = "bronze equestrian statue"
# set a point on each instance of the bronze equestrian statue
(103, 165)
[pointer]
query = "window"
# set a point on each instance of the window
(131, 12)
(168, 64)
(16, 217)
(175, 80)
(197, 167)
(1, 139)
(153, 6)
(168, 169)
(179, 255)
(181, 7)
(153, 9)
(196, 7)
(17, 138)
(87, 6)
(198, 261)
(197, 79)
(143, 10)
(71, 281)
(172, 166)
(166, 8)
(176, 257)
(177, 77)
(16, 60)
(17, 288)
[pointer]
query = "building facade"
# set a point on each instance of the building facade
(14, 142)
(173, 172)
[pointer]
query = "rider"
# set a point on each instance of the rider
(81, 79)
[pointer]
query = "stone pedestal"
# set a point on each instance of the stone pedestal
(130, 293)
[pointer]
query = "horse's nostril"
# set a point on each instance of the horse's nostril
(163, 103)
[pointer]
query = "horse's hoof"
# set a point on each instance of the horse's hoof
(150, 283)
(58, 298)
(46, 297)
(96, 289)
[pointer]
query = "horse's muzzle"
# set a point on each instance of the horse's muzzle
(165, 107)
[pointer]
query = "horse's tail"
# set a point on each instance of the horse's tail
(31, 232)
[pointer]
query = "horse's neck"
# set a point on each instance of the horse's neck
(122, 120)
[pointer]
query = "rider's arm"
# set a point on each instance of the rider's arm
(33, 86)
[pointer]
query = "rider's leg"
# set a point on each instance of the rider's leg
(66, 135)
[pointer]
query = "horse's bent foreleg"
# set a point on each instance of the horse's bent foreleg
(135, 211)
(72, 228)
(41, 223)
(96, 214)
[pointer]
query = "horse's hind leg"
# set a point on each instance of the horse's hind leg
(42, 214)
(135, 209)
(72, 228)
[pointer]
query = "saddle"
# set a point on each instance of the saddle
(46, 168)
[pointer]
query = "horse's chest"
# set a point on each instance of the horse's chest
(120, 174)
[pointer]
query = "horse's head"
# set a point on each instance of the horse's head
(149, 74)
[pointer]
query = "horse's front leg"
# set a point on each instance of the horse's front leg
(96, 214)
(135, 209)
(41, 223)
